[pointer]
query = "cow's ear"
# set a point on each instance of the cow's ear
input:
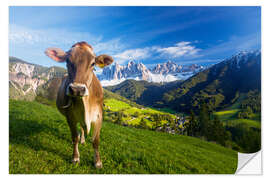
(56, 54)
(103, 60)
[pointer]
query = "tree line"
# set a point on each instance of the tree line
(207, 126)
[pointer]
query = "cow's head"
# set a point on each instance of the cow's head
(81, 61)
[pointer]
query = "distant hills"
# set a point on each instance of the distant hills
(218, 86)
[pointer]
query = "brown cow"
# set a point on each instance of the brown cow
(80, 96)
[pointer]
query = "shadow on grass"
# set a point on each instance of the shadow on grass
(25, 132)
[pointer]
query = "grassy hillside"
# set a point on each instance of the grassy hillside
(246, 132)
(40, 143)
(229, 116)
(217, 86)
(143, 92)
(111, 95)
(133, 115)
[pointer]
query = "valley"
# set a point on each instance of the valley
(230, 90)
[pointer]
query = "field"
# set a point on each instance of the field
(229, 116)
(40, 143)
(133, 115)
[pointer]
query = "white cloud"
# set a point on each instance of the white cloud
(38, 40)
(108, 47)
(23, 35)
(179, 49)
(133, 54)
(62, 38)
(29, 44)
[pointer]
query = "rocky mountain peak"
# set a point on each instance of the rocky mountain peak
(244, 57)
(166, 72)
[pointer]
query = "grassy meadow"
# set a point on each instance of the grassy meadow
(229, 116)
(133, 115)
(40, 143)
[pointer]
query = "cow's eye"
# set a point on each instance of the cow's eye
(93, 64)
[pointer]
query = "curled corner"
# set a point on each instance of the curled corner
(249, 163)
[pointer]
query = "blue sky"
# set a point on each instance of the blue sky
(151, 35)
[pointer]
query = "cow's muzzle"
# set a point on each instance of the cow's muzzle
(77, 90)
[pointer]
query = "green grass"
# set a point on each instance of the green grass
(167, 110)
(40, 143)
(229, 116)
(230, 113)
(248, 122)
(133, 114)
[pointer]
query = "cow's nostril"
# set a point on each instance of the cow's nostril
(82, 91)
(77, 90)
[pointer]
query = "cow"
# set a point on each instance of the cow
(80, 96)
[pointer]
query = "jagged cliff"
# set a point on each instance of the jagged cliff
(25, 78)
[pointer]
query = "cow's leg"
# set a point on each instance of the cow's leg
(75, 141)
(97, 160)
(82, 136)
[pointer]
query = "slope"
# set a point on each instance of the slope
(40, 143)
(143, 92)
(220, 85)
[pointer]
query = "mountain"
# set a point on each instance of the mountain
(166, 72)
(116, 73)
(172, 68)
(166, 68)
(219, 85)
(142, 92)
(25, 78)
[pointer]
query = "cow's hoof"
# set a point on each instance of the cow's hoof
(98, 165)
(76, 161)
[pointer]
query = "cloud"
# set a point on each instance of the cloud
(178, 50)
(109, 47)
(37, 40)
(62, 38)
(30, 43)
(22, 35)
(133, 54)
